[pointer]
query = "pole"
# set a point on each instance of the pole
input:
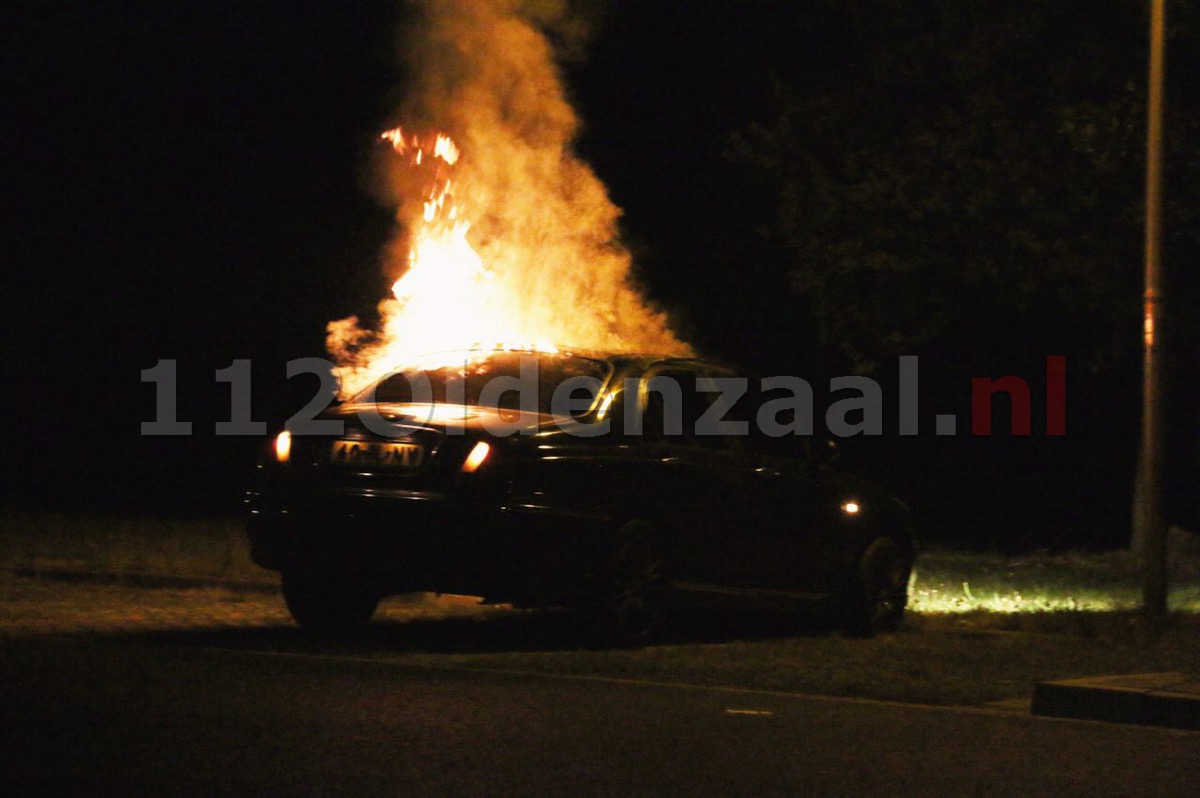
(1149, 527)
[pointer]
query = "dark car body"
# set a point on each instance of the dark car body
(568, 486)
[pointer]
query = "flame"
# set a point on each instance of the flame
(447, 299)
(513, 243)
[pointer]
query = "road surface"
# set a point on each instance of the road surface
(164, 715)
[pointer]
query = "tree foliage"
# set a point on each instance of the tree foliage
(971, 173)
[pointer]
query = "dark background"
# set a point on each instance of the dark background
(191, 182)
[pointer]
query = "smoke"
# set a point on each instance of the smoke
(485, 73)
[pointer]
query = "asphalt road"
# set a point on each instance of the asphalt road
(134, 715)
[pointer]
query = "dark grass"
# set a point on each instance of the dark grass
(984, 628)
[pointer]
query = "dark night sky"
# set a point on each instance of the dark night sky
(192, 183)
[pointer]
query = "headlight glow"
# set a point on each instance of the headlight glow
(475, 459)
(283, 446)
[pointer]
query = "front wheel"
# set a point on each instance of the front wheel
(626, 608)
(876, 593)
(329, 604)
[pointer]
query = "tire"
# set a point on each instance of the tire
(327, 604)
(628, 603)
(876, 593)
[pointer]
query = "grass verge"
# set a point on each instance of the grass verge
(983, 628)
(931, 660)
(126, 547)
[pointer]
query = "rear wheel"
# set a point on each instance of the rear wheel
(876, 593)
(329, 604)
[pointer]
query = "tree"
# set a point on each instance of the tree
(971, 177)
(966, 180)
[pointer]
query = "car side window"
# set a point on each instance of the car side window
(788, 446)
(718, 397)
(664, 416)
(677, 400)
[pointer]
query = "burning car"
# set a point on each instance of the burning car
(610, 484)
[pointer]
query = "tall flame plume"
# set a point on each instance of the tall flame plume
(513, 242)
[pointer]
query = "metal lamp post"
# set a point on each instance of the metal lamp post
(1149, 524)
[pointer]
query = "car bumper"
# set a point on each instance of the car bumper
(408, 541)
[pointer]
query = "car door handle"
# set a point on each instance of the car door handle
(764, 472)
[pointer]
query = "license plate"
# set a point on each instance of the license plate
(377, 453)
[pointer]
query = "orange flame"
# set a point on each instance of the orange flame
(447, 299)
(514, 244)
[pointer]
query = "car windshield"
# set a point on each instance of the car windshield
(499, 380)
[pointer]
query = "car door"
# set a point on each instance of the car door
(797, 507)
(718, 520)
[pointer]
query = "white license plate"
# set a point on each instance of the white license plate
(378, 453)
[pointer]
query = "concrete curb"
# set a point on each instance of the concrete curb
(1149, 699)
